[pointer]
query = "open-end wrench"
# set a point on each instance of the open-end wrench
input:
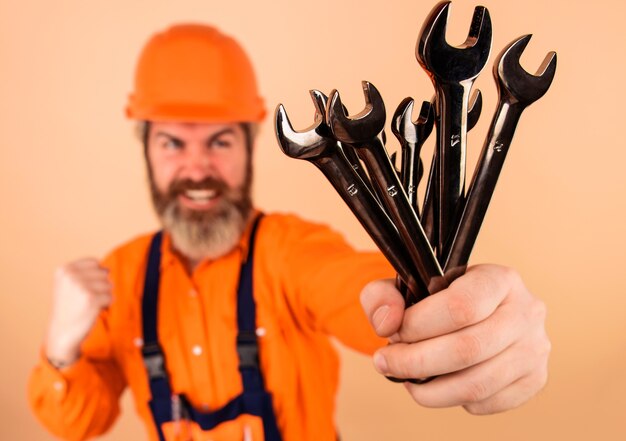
(316, 145)
(393, 158)
(320, 100)
(363, 132)
(412, 136)
(453, 71)
(517, 89)
(428, 209)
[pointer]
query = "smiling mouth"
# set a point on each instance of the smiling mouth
(201, 196)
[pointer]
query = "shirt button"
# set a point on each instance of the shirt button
(260, 332)
(193, 293)
(138, 342)
(58, 386)
(196, 350)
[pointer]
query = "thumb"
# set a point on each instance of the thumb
(384, 306)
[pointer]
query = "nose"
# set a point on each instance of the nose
(199, 163)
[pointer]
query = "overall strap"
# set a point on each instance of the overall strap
(254, 400)
(151, 351)
(257, 400)
(247, 346)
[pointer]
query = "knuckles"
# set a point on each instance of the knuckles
(491, 277)
(474, 392)
(525, 314)
(404, 361)
(75, 281)
(477, 409)
(462, 309)
(68, 275)
(469, 349)
(511, 277)
(526, 388)
(467, 303)
(410, 369)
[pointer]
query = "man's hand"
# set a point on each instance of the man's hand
(81, 289)
(483, 337)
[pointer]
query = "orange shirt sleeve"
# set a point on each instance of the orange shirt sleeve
(327, 276)
(82, 400)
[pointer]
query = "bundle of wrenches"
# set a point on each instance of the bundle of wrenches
(429, 245)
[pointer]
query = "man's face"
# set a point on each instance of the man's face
(200, 178)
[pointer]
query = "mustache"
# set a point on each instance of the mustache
(209, 183)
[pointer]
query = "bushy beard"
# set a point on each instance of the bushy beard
(201, 234)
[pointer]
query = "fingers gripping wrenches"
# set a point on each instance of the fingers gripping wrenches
(386, 207)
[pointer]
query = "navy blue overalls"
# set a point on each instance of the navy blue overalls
(254, 400)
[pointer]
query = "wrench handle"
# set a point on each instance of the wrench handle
(483, 184)
(390, 191)
(355, 162)
(453, 102)
(409, 172)
(356, 194)
(428, 209)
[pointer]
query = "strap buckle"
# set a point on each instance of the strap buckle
(248, 350)
(154, 361)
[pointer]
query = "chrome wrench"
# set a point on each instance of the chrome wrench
(517, 89)
(452, 71)
(412, 136)
(428, 210)
(363, 131)
(316, 145)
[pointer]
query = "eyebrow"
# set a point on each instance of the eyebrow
(225, 131)
(179, 142)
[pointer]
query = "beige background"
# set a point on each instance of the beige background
(72, 181)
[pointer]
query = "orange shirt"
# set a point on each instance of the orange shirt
(307, 282)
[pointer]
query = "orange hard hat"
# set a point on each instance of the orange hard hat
(194, 73)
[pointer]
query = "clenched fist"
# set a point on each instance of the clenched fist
(81, 289)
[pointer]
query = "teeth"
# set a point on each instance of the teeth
(200, 195)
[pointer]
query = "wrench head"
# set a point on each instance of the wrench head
(310, 143)
(365, 125)
(399, 120)
(448, 63)
(413, 132)
(405, 107)
(320, 101)
(425, 122)
(513, 79)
